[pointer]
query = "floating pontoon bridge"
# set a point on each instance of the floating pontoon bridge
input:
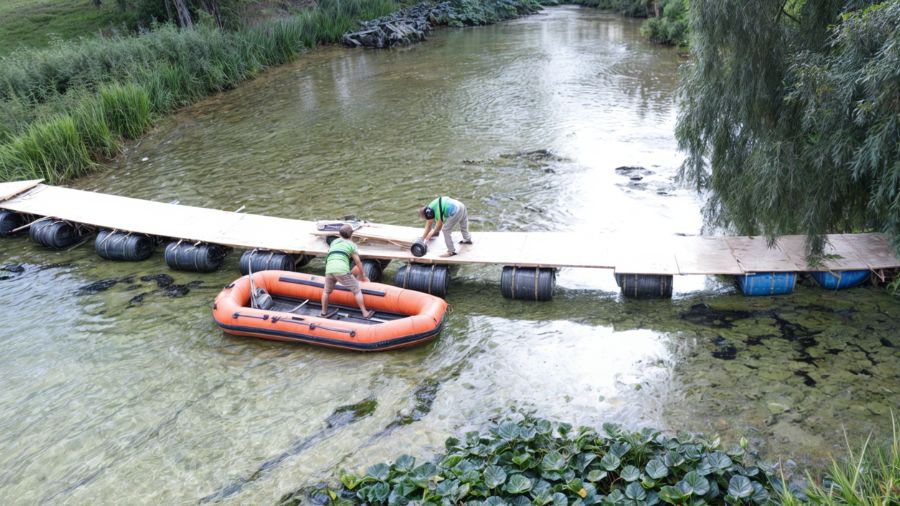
(644, 267)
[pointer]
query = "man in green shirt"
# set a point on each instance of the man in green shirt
(337, 270)
(443, 213)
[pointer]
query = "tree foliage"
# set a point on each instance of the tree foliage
(789, 115)
(671, 27)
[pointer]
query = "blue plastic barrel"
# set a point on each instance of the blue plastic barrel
(767, 283)
(838, 280)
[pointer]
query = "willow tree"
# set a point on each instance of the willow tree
(790, 116)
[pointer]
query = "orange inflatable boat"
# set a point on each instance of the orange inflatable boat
(402, 318)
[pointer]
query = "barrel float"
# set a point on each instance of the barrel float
(432, 279)
(123, 246)
(645, 286)
(182, 256)
(838, 280)
(527, 283)
(10, 221)
(264, 260)
(418, 248)
(373, 271)
(767, 283)
(56, 234)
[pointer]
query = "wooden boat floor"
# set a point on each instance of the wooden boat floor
(344, 313)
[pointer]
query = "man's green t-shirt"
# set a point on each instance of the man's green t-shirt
(447, 208)
(339, 254)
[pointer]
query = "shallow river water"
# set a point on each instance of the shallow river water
(125, 392)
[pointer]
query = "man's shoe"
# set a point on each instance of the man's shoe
(465, 241)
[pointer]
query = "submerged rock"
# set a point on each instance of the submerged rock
(162, 280)
(97, 287)
(13, 268)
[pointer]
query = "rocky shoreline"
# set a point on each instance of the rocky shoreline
(412, 25)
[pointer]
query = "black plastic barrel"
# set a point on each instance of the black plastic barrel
(419, 248)
(123, 246)
(183, 256)
(261, 260)
(645, 286)
(527, 283)
(301, 260)
(372, 269)
(56, 234)
(10, 221)
(433, 279)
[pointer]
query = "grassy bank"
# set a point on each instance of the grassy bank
(536, 462)
(66, 107)
(36, 23)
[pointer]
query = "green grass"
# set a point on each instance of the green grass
(869, 477)
(36, 23)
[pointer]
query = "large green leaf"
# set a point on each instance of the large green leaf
(404, 463)
(596, 475)
(698, 484)
(508, 431)
(350, 480)
(670, 494)
(630, 473)
(719, 460)
(518, 484)
(610, 462)
(553, 461)
(521, 459)
(559, 499)
(451, 460)
(379, 471)
(656, 469)
(739, 486)
(494, 476)
(635, 491)
(583, 460)
(448, 489)
(619, 448)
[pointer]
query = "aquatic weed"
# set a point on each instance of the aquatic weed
(535, 461)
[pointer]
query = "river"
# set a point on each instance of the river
(125, 392)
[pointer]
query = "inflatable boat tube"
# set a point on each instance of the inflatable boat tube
(403, 318)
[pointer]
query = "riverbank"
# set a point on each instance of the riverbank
(61, 117)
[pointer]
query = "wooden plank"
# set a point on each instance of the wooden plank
(838, 254)
(10, 190)
(875, 249)
(646, 255)
(705, 255)
(624, 253)
(754, 255)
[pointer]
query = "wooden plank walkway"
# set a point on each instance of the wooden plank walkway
(633, 254)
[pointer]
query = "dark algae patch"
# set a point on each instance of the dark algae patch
(162, 280)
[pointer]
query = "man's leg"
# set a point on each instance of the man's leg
(464, 224)
(329, 287)
(449, 223)
(350, 281)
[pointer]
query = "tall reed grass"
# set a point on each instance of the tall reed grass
(67, 106)
(870, 477)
